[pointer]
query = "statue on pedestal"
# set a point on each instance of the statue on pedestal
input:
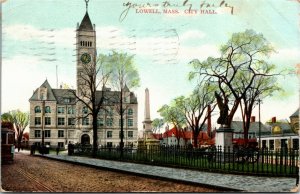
(223, 106)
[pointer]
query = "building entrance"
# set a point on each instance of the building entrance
(85, 139)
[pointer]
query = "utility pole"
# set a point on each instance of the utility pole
(259, 125)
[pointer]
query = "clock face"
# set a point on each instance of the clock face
(85, 58)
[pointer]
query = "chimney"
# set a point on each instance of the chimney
(273, 119)
(252, 119)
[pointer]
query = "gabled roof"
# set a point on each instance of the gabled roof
(296, 113)
(237, 126)
(50, 94)
(86, 23)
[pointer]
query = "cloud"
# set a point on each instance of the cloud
(61, 37)
(191, 34)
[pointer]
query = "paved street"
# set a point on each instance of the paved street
(234, 182)
(37, 174)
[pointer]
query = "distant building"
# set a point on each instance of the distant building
(282, 136)
(184, 137)
(63, 120)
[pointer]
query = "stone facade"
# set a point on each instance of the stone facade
(63, 120)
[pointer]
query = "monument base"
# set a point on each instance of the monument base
(224, 137)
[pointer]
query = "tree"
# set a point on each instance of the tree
(124, 76)
(20, 120)
(172, 114)
(197, 107)
(92, 76)
(237, 71)
(157, 123)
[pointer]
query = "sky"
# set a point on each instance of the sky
(38, 42)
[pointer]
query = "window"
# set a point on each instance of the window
(130, 111)
(85, 121)
(295, 144)
(47, 109)
(130, 122)
(67, 100)
(100, 122)
(109, 134)
(37, 109)
(71, 110)
(264, 143)
(130, 134)
(37, 120)
(271, 144)
(61, 110)
(60, 121)
(60, 144)
(47, 134)
(71, 121)
(37, 144)
(47, 120)
(60, 133)
(109, 122)
(37, 133)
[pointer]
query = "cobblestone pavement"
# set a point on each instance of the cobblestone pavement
(36, 174)
(235, 182)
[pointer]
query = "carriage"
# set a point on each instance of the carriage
(7, 145)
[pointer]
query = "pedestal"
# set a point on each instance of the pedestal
(224, 138)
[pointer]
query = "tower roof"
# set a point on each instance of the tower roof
(86, 23)
(296, 113)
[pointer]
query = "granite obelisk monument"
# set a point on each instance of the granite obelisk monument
(148, 138)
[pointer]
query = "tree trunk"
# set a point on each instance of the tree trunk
(122, 130)
(95, 136)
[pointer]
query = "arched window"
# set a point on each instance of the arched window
(130, 111)
(37, 109)
(47, 109)
(91, 44)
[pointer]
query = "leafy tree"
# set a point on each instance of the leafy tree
(92, 76)
(195, 108)
(241, 72)
(124, 76)
(172, 114)
(157, 123)
(20, 121)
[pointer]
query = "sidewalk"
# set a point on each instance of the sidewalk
(226, 181)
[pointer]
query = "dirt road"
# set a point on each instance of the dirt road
(31, 173)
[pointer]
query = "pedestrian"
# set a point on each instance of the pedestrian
(57, 150)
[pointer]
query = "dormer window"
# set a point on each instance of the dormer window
(67, 100)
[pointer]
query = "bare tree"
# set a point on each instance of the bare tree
(93, 76)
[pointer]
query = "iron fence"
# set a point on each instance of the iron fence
(280, 162)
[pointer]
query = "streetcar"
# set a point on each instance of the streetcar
(7, 145)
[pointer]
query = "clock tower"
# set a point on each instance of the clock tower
(85, 52)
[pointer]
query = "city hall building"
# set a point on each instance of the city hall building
(57, 115)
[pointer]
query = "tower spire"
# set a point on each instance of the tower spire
(86, 4)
